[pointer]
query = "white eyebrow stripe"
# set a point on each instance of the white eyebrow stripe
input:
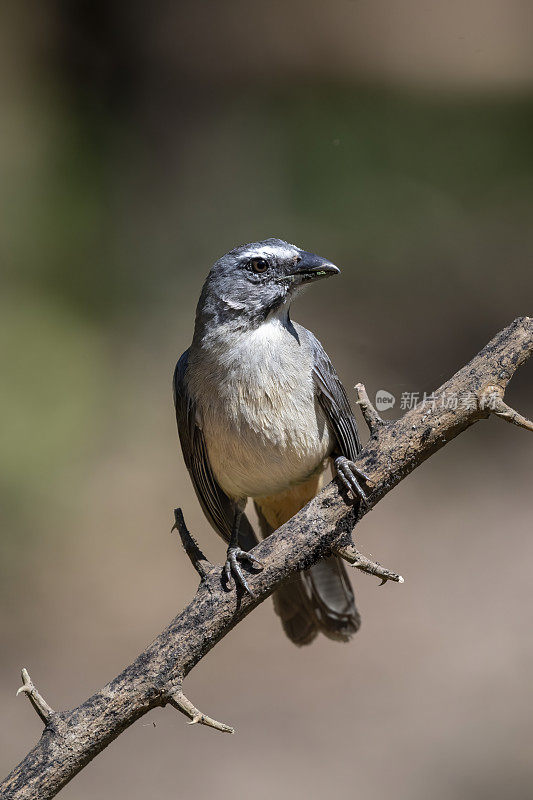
(266, 251)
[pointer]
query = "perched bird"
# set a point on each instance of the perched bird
(261, 412)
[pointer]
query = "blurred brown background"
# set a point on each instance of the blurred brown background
(138, 142)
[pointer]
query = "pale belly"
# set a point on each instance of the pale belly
(262, 443)
(263, 427)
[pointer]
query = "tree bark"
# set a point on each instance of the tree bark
(73, 738)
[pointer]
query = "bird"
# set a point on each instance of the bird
(261, 413)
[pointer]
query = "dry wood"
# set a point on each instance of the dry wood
(73, 738)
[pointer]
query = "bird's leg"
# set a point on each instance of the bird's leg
(348, 474)
(235, 554)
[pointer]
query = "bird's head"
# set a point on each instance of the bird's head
(255, 280)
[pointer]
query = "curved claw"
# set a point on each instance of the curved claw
(232, 567)
(348, 473)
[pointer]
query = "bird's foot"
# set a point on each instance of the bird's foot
(232, 568)
(348, 474)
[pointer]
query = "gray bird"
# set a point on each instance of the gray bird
(261, 413)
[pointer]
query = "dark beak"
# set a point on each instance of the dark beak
(310, 267)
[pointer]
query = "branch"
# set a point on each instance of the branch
(190, 545)
(72, 738)
(350, 554)
(492, 398)
(39, 704)
(372, 418)
(179, 701)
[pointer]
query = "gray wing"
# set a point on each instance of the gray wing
(334, 402)
(216, 505)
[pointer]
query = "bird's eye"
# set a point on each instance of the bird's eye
(258, 264)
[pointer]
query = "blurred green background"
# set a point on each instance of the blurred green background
(138, 142)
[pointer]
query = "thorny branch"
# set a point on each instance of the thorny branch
(190, 545)
(73, 738)
(372, 418)
(39, 703)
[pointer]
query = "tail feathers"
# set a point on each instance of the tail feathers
(317, 600)
(291, 606)
(331, 599)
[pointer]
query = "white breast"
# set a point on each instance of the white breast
(262, 425)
